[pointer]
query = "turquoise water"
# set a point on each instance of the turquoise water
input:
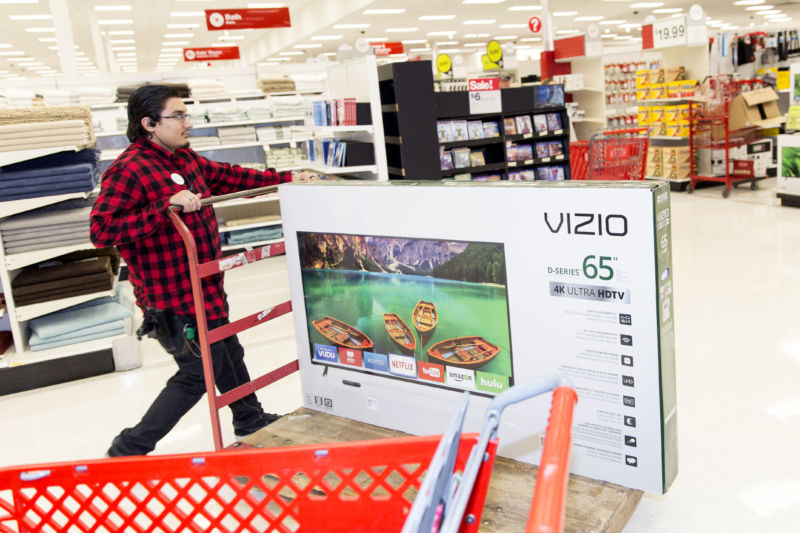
(360, 299)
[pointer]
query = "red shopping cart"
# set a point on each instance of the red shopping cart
(364, 486)
(611, 155)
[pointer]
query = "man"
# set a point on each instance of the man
(157, 170)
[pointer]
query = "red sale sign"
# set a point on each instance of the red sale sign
(385, 49)
(535, 24)
(211, 53)
(484, 84)
(242, 19)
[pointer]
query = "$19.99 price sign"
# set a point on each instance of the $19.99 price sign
(670, 32)
(484, 96)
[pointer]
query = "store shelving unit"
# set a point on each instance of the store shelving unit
(21, 368)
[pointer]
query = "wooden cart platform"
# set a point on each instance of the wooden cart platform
(592, 505)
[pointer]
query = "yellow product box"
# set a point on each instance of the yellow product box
(655, 154)
(641, 94)
(658, 129)
(656, 76)
(674, 74)
(642, 78)
(783, 80)
(675, 155)
(673, 89)
(677, 171)
(688, 88)
(671, 113)
(684, 128)
(656, 113)
(683, 112)
(656, 91)
(673, 129)
(644, 115)
(653, 169)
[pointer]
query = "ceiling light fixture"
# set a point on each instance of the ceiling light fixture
(400, 30)
(325, 37)
(510, 26)
(40, 30)
(230, 37)
(174, 43)
(748, 2)
(187, 14)
(437, 17)
(378, 40)
(265, 5)
(668, 10)
(531, 39)
(298, 53)
(525, 8)
(122, 48)
(473, 45)
(113, 8)
(414, 41)
(182, 26)
(479, 22)
(351, 26)
(757, 8)
(115, 22)
(647, 4)
(309, 45)
(122, 41)
(769, 12)
(506, 37)
(589, 18)
(483, 1)
(177, 35)
(564, 13)
(12, 53)
(120, 32)
(611, 22)
(475, 35)
(30, 17)
(416, 50)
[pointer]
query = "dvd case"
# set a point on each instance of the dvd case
(445, 129)
(491, 129)
(475, 128)
(554, 121)
(461, 157)
(540, 122)
(524, 124)
(460, 132)
(510, 126)
(476, 158)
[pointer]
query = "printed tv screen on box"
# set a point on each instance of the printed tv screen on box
(430, 311)
(405, 295)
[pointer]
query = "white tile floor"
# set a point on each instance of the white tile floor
(737, 266)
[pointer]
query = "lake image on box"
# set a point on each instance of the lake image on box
(444, 302)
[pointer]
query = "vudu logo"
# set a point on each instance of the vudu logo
(323, 352)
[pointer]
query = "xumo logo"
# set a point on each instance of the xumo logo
(216, 19)
(190, 54)
(588, 224)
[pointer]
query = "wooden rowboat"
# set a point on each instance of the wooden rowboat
(399, 332)
(342, 334)
(425, 316)
(464, 352)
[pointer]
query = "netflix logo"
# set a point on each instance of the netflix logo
(401, 365)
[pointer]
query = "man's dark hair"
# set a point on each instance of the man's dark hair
(147, 101)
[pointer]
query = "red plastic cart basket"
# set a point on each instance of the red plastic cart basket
(364, 486)
(611, 155)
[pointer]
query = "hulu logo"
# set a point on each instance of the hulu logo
(490, 382)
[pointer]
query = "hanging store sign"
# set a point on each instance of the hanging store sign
(484, 96)
(242, 19)
(211, 53)
(386, 49)
(665, 33)
(535, 24)
(443, 63)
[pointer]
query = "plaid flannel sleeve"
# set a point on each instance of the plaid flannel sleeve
(224, 178)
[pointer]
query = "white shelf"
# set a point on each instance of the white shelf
(267, 223)
(673, 180)
(29, 312)
(587, 90)
(250, 245)
(251, 144)
(322, 169)
(331, 131)
(16, 261)
(596, 120)
(206, 125)
(664, 100)
(20, 206)
(667, 138)
(17, 156)
(28, 356)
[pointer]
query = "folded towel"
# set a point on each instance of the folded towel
(108, 328)
(61, 159)
(13, 235)
(79, 142)
(47, 345)
(77, 318)
(41, 126)
(55, 181)
(62, 284)
(46, 237)
(80, 168)
(46, 133)
(68, 292)
(36, 191)
(63, 242)
(46, 272)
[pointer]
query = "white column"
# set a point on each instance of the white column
(64, 38)
(97, 43)
(547, 27)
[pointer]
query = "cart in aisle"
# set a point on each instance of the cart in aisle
(413, 484)
(711, 142)
(610, 155)
(205, 337)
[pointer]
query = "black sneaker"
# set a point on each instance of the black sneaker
(263, 421)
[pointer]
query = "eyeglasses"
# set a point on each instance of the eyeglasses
(180, 117)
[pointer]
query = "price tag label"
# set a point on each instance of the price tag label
(484, 96)
(670, 32)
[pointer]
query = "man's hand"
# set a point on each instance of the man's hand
(301, 177)
(187, 200)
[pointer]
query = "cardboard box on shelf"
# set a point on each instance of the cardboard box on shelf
(755, 108)
(673, 89)
(653, 169)
(656, 113)
(655, 154)
(676, 155)
(676, 171)
(683, 109)
(658, 129)
(642, 79)
(671, 113)
(673, 128)
(656, 76)
(684, 124)
(688, 88)
(674, 74)
(644, 115)
(656, 91)
(641, 94)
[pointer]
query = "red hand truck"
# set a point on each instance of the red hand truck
(367, 486)
(205, 337)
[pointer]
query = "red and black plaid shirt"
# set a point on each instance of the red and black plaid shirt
(130, 213)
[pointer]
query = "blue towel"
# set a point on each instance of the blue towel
(55, 180)
(61, 159)
(83, 168)
(21, 193)
(37, 340)
(253, 235)
(73, 319)
(66, 342)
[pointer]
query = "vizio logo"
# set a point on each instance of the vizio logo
(614, 225)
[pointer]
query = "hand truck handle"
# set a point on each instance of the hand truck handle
(550, 494)
(239, 194)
